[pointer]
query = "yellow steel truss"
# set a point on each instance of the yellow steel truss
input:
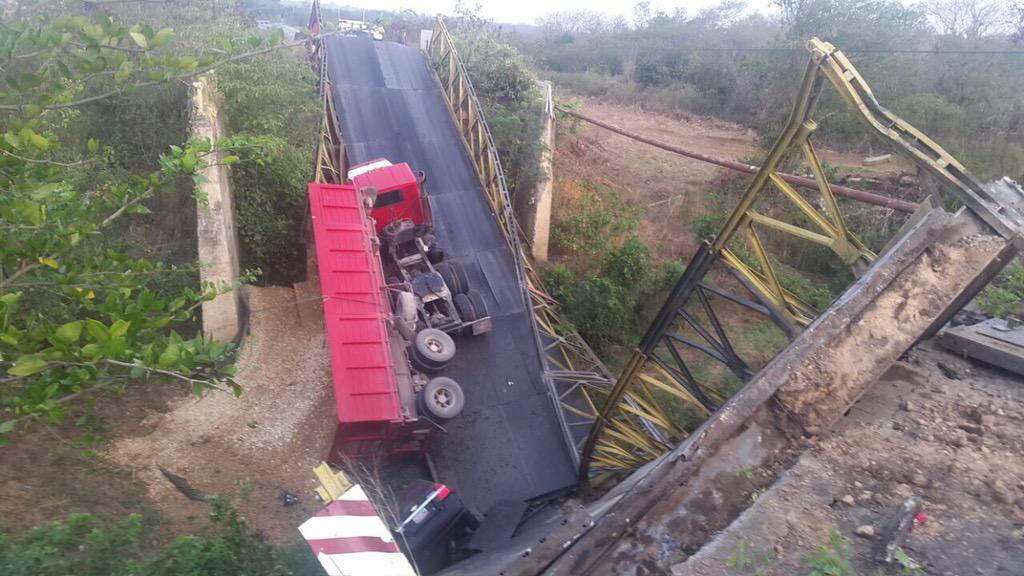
(621, 439)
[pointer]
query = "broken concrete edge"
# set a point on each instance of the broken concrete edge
(225, 316)
(672, 506)
(992, 341)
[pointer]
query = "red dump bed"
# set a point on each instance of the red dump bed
(355, 307)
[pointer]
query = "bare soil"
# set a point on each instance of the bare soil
(251, 447)
(671, 189)
(257, 445)
(949, 435)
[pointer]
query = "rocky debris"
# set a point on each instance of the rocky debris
(865, 531)
(956, 444)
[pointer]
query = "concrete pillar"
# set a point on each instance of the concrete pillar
(215, 223)
(541, 229)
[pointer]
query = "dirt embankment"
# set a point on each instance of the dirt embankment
(672, 190)
(254, 446)
(261, 443)
(938, 427)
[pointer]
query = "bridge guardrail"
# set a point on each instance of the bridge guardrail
(576, 379)
(330, 165)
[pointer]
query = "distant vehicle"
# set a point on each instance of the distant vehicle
(354, 27)
(391, 303)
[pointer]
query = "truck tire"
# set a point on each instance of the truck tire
(443, 398)
(433, 349)
(454, 275)
(479, 306)
(464, 306)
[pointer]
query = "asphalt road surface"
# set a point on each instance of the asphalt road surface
(507, 443)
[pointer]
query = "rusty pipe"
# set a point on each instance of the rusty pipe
(851, 193)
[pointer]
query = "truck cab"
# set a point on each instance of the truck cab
(398, 191)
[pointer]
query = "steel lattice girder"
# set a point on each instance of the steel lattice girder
(625, 435)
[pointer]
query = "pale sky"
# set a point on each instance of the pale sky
(527, 11)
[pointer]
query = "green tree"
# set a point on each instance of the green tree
(79, 307)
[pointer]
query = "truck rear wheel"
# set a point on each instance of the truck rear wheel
(467, 313)
(432, 349)
(471, 306)
(479, 306)
(454, 275)
(443, 398)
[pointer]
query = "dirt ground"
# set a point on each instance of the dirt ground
(671, 189)
(947, 434)
(261, 443)
(253, 446)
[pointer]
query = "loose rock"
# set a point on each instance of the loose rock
(865, 531)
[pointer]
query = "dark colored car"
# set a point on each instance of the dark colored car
(432, 519)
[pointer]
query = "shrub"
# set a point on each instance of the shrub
(272, 95)
(629, 265)
(82, 546)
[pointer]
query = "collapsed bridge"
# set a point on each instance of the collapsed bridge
(541, 409)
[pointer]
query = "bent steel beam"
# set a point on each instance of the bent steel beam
(689, 329)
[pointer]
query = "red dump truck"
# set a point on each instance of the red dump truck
(391, 304)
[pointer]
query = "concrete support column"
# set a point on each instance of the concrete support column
(541, 229)
(215, 225)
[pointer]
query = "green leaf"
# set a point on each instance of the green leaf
(156, 322)
(169, 356)
(7, 427)
(276, 36)
(46, 190)
(124, 71)
(39, 141)
(52, 353)
(92, 351)
(226, 46)
(119, 328)
(33, 110)
(32, 213)
(27, 365)
(188, 162)
(140, 39)
(96, 330)
(93, 32)
(229, 160)
(69, 333)
(162, 37)
(94, 146)
(12, 139)
(64, 70)
(137, 372)
(197, 389)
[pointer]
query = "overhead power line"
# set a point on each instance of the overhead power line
(804, 51)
